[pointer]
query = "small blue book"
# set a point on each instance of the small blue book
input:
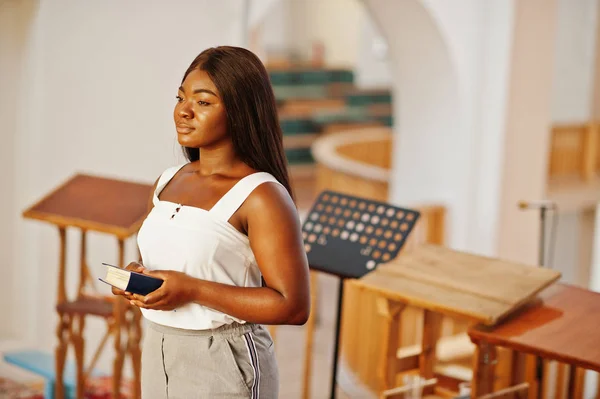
(129, 281)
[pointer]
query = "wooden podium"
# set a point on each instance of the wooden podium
(103, 205)
(444, 282)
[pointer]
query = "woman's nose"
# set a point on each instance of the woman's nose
(185, 110)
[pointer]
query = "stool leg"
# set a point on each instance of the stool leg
(531, 376)
(389, 312)
(135, 336)
(576, 382)
(310, 332)
(119, 315)
(60, 354)
(432, 324)
(484, 363)
(64, 321)
(119, 351)
(78, 345)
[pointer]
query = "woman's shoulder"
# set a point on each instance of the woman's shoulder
(268, 193)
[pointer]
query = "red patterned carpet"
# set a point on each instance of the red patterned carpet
(10, 389)
(97, 388)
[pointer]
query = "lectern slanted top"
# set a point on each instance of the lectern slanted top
(453, 283)
(95, 203)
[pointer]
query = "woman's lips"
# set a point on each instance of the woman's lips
(184, 129)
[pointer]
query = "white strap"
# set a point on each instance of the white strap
(235, 197)
(164, 179)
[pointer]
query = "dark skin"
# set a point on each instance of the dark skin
(268, 217)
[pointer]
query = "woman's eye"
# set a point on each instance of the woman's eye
(203, 103)
(179, 99)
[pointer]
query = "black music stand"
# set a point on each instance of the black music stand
(348, 237)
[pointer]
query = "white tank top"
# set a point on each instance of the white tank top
(201, 243)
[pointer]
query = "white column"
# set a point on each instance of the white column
(595, 270)
(526, 139)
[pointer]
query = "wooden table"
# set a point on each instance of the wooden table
(563, 324)
(444, 282)
(110, 206)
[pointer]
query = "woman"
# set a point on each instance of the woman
(224, 235)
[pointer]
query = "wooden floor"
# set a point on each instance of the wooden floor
(289, 348)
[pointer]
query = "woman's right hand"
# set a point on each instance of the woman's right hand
(134, 267)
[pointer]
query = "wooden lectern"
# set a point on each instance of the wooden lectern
(444, 282)
(108, 206)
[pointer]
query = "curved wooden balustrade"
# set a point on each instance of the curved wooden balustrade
(357, 162)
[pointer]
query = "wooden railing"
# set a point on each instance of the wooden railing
(575, 151)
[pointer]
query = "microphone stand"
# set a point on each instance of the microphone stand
(542, 243)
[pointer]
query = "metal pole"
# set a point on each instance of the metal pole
(337, 337)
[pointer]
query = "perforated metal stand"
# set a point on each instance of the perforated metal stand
(348, 237)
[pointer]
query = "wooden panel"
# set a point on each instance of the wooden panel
(349, 184)
(456, 283)
(566, 148)
(299, 140)
(575, 151)
(307, 107)
(467, 273)
(590, 151)
(598, 154)
(376, 152)
(338, 127)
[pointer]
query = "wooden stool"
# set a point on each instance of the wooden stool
(108, 206)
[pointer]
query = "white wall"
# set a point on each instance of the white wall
(295, 25)
(14, 17)
(272, 18)
(373, 67)
(100, 80)
(574, 60)
(338, 23)
(453, 67)
(479, 39)
(436, 52)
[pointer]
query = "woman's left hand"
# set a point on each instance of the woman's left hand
(176, 290)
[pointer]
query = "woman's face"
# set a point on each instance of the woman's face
(200, 117)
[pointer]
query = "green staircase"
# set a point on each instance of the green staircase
(320, 84)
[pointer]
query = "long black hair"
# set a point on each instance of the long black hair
(252, 120)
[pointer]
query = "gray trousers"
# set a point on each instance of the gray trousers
(233, 361)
